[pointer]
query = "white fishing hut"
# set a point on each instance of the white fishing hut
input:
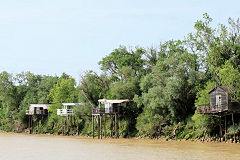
(38, 109)
(67, 109)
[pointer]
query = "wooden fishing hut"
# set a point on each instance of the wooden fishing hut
(221, 105)
(36, 110)
(66, 111)
(112, 108)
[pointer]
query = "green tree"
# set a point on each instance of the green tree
(64, 90)
(93, 87)
(121, 57)
(169, 91)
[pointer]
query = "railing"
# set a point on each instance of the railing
(64, 112)
(98, 110)
(29, 112)
(39, 112)
(32, 112)
(211, 109)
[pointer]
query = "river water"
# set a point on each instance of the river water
(37, 147)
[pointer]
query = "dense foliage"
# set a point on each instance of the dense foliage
(164, 85)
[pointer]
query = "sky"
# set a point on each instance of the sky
(55, 36)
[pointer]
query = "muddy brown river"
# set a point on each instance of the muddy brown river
(36, 147)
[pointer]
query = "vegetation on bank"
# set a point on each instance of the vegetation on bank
(165, 84)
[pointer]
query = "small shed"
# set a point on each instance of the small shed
(220, 102)
(67, 109)
(219, 97)
(113, 106)
(38, 109)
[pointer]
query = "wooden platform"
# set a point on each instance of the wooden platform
(217, 111)
(211, 109)
(98, 111)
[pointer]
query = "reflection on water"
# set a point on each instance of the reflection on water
(34, 147)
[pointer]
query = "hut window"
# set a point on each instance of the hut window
(108, 108)
(218, 100)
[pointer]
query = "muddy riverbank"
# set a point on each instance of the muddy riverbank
(37, 147)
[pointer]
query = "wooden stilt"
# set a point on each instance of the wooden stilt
(33, 125)
(225, 129)
(37, 124)
(111, 126)
(70, 124)
(29, 124)
(115, 125)
(98, 127)
(234, 135)
(74, 125)
(67, 126)
(62, 126)
(42, 120)
(93, 126)
(104, 125)
(220, 128)
(100, 124)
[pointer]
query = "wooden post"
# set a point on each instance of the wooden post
(233, 125)
(104, 125)
(62, 126)
(93, 126)
(29, 124)
(33, 125)
(74, 124)
(100, 124)
(220, 128)
(37, 121)
(71, 125)
(42, 120)
(98, 127)
(225, 129)
(67, 126)
(37, 124)
(111, 125)
(116, 125)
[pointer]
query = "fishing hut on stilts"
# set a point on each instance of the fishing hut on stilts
(66, 111)
(111, 109)
(35, 113)
(222, 106)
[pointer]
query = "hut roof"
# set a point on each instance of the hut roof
(45, 106)
(71, 104)
(224, 88)
(104, 101)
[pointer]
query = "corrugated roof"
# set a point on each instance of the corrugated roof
(71, 104)
(45, 106)
(104, 101)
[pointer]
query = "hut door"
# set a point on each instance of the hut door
(108, 108)
(218, 100)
